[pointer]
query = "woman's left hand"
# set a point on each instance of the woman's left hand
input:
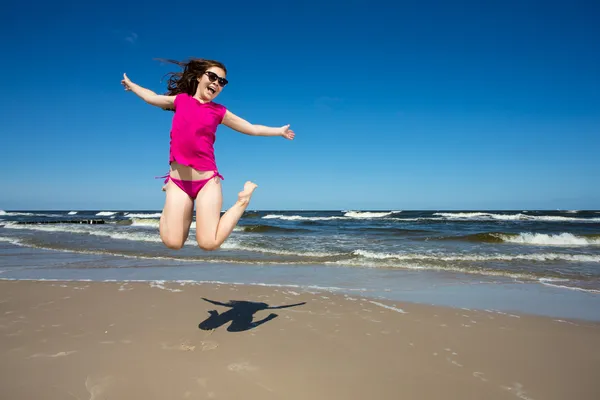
(287, 133)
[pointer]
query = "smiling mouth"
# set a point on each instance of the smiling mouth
(212, 90)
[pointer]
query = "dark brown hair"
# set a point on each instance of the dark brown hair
(187, 80)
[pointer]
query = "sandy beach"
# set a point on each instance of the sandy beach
(113, 340)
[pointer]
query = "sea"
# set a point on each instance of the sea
(540, 262)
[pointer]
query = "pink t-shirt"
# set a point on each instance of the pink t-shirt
(193, 132)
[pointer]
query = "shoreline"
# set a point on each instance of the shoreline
(420, 287)
(177, 286)
(65, 339)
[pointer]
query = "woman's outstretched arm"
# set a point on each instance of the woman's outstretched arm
(241, 125)
(148, 95)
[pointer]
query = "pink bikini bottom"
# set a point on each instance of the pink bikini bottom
(191, 188)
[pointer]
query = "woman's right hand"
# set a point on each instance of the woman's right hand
(126, 83)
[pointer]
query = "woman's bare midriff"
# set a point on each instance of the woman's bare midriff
(186, 173)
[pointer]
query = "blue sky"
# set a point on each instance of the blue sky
(417, 105)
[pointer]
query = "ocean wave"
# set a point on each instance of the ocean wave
(143, 215)
(479, 216)
(543, 239)
(201, 257)
(418, 219)
(348, 215)
(146, 222)
(484, 237)
(546, 277)
(550, 282)
(543, 277)
(301, 218)
(368, 214)
(266, 228)
(528, 238)
(15, 214)
(106, 213)
(10, 240)
(72, 213)
(441, 268)
(87, 229)
(478, 257)
(251, 214)
(392, 230)
(146, 236)
(484, 216)
(233, 244)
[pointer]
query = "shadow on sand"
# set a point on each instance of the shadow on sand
(241, 315)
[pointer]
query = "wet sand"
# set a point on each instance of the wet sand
(112, 340)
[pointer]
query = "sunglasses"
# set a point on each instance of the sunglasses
(213, 77)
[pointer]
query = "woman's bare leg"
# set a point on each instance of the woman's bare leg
(176, 217)
(211, 228)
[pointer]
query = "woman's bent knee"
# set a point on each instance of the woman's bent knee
(208, 245)
(173, 243)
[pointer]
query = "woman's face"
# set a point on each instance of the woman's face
(211, 83)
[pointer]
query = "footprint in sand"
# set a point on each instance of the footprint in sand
(479, 375)
(208, 345)
(517, 390)
(449, 358)
(181, 347)
(97, 386)
(187, 346)
(242, 367)
(59, 354)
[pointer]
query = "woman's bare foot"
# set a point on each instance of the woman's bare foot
(244, 195)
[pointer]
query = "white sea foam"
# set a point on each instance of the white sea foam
(347, 215)
(143, 215)
(145, 222)
(549, 282)
(14, 214)
(233, 244)
(301, 218)
(105, 213)
(361, 263)
(419, 219)
(479, 257)
(388, 307)
(543, 239)
(91, 230)
(482, 216)
(557, 218)
(72, 212)
(10, 240)
(161, 285)
(367, 214)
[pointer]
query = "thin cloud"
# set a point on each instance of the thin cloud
(132, 37)
(326, 103)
